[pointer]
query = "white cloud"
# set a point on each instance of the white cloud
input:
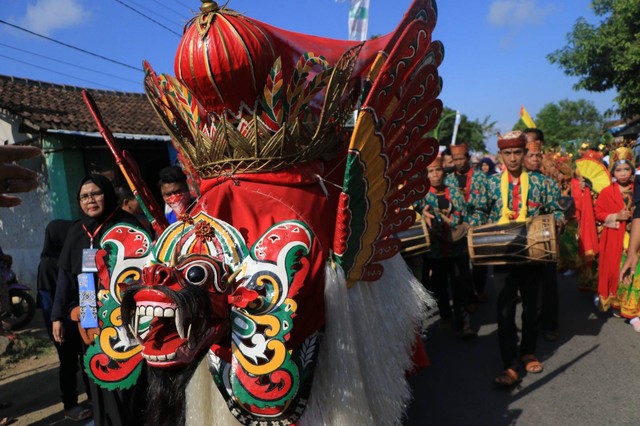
(509, 13)
(46, 16)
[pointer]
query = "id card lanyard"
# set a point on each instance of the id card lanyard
(89, 255)
(86, 282)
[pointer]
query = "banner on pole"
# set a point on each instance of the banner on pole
(358, 20)
(526, 118)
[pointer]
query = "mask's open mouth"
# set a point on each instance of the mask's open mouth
(170, 332)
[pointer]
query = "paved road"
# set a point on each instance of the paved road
(591, 376)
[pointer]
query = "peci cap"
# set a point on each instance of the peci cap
(534, 146)
(514, 139)
(437, 162)
(461, 149)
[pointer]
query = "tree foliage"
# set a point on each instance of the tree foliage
(569, 120)
(606, 56)
(472, 133)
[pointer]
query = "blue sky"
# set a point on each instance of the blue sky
(495, 50)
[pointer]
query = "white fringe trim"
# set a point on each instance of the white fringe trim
(205, 404)
(337, 395)
(368, 347)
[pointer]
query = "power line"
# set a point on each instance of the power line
(172, 10)
(147, 17)
(57, 72)
(70, 46)
(182, 4)
(68, 63)
(154, 12)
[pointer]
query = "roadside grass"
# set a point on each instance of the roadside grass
(25, 345)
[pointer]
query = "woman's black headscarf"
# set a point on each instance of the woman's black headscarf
(78, 238)
(488, 161)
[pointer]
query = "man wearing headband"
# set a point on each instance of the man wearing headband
(518, 195)
(473, 185)
(448, 260)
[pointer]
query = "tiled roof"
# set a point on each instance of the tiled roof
(47, 106)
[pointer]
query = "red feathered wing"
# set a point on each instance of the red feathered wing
(388, 153)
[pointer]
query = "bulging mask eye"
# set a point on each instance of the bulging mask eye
(196, 275)
(202, 271)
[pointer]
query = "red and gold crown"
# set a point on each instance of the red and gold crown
(249, 97)
(620, 155)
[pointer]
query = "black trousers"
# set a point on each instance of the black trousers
(511, 280)
(479, 278)
(70, 354)
(450, 274)
(550, 302)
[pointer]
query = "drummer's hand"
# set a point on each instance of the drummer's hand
(428, 217)
(628, 268)
(447, 219)
(623, 215)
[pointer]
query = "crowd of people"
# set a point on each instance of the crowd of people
(73, 323)
(592, 221)
(589, 202)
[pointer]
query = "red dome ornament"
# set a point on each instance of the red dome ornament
(224, 59)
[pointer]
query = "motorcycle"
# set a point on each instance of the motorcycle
(23, 305)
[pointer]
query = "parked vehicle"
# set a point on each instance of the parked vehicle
(23, 305)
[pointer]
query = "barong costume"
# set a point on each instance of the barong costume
(269, 302)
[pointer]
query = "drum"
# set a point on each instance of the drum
(415, 240)
(514, 243)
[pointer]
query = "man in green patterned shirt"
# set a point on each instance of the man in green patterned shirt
(517, 195)
(472, 183)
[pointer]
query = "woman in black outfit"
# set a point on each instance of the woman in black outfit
(99, 212)
(70, 350)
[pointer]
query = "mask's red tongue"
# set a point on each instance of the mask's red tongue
(162, 339)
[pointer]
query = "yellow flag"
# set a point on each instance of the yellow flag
(526, 118)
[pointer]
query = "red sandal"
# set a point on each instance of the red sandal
(508, 378)
(531, 364)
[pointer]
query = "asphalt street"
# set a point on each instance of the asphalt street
(591, 373)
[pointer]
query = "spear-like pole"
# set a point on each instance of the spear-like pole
(129, 170)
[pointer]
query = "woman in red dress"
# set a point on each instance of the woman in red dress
(614, 209)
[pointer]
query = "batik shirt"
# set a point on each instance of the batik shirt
(475, 194)
(541, 199)
(554, 190)
(442, 245)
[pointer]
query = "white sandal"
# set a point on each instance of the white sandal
(635, 323)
